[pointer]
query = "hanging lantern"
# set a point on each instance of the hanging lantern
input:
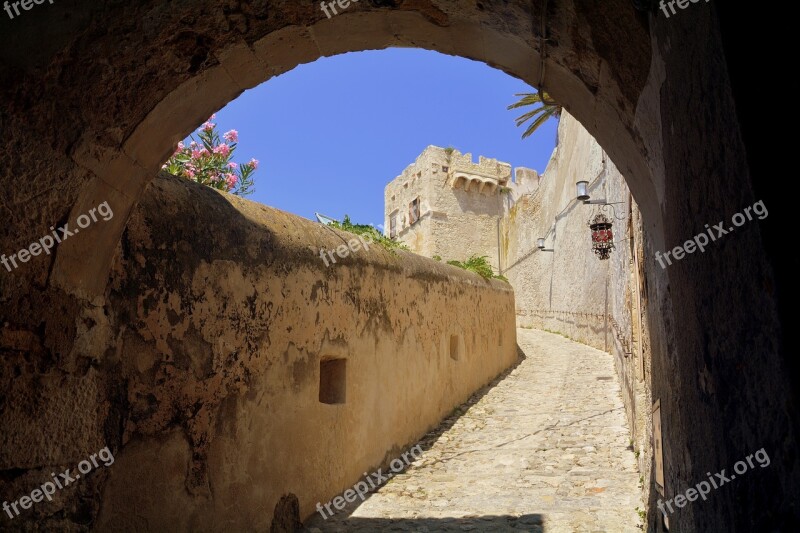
(602, 236)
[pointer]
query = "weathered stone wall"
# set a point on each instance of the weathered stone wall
(719, 371)
(212, 336)
(563, 290)
(626, 318)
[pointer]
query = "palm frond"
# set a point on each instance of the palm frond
(538, 122)
(522, 119)
(526, 100)
(547, 107)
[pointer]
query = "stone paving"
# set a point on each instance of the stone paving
(545, 448)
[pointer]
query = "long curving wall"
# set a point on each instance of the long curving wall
(231, 367)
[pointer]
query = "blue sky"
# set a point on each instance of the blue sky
(331, 134)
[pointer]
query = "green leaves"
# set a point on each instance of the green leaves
(547, 108)
(370, 232)
(480, 265)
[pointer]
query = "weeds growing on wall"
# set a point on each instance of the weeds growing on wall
(480, 265)
(370, 233)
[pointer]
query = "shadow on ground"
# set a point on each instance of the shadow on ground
(530, 522)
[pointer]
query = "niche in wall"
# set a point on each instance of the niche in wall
(333, 381)
(455, 348)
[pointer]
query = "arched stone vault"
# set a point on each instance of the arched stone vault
(594, 80)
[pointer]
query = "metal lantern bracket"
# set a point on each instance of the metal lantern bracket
(611, 205)
(582, 193)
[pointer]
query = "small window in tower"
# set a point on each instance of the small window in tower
(393, 226)
(445, 169)
(413, 210)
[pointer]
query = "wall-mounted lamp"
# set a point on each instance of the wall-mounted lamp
(540, 245)
(583, 195)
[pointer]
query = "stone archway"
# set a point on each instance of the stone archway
(92, 113)
(600, 90)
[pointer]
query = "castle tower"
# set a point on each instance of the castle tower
(446, 205)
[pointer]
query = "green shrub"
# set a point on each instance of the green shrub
(369, 232)
(480, 265)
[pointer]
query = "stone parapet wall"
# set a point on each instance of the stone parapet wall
(587, 328)
(229, 367)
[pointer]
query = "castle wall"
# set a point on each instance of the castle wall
(571, 291)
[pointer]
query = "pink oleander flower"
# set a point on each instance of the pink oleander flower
(223, 150)
(230, 180)
(179, 149)
(207, 160)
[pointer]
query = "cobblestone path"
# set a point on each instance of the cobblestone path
(544, 448)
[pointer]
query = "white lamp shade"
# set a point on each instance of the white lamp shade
(583, 194)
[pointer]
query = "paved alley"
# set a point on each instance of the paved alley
(545, 448)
